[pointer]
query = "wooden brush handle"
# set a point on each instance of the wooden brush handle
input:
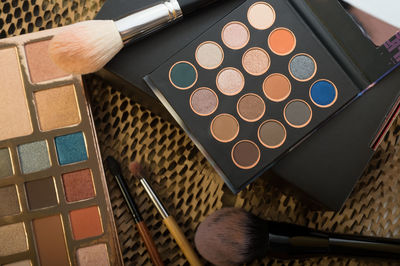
(150, 245)
(182, 242)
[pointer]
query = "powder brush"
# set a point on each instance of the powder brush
(85, 47)
(231, 236)
(168, 220)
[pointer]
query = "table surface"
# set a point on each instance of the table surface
(186, 181)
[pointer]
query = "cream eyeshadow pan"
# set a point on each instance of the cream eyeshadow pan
(54, 207)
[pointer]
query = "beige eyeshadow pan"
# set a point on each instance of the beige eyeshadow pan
(15, 118)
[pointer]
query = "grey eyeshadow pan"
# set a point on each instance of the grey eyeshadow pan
(34, 156)
(5, 163)
(302, 67)
(297, 113)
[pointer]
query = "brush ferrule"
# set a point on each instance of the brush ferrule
(154, 198)
(145, 21)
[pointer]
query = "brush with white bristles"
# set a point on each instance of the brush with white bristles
(85, 47)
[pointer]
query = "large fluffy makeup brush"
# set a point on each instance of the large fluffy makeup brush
(232, 236)
(168, 220)
(87, 46)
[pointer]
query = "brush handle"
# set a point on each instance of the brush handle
(182, 241)
(150, 245)
(289, 240)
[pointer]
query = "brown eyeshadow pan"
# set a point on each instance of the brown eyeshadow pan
(78, 185)
(272, 134)
(41, 67)
(245, 154)
(6, 168)
(277, 87)
(224, 127)
(13, 239)
(41, 193)
(50, 241)
(9, 203)
(86, 223)
(251, 107)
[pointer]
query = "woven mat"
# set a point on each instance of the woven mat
(186, 181)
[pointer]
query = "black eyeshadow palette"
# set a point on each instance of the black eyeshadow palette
(252, 87)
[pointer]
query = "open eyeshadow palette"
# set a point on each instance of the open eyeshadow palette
(251, 87)
(54, 207)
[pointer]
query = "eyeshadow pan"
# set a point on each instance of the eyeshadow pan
(13, 239)
(86, 223)
(272, 134)
(302, 67)
(50, 241)
(6, 168)
(256, 61)
(20, 263)
(230, 81)
(9, 204)
(277, 87)
(71, 148)
(261, 15)
(41, 67)
(323, 93)
(235, 35)
(251, 107)
(204, 101)
(78, 185)
(57, 108)
(183, 75)
(34, 156)
(245, 154)
(282, 41)
(297, 113)
(15, 119)
(224, 128)
(93, 255)
(209, 55)
(41, 193)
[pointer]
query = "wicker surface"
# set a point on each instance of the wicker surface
(186, 181)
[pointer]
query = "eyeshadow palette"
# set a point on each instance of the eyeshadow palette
(252, 87)
(54, 207)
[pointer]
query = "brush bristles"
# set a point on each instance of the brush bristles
(136, 169)
(85, 47)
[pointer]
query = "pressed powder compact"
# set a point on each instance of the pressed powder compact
(252, 87)
(54, 207)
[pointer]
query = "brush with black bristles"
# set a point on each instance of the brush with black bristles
(85, 47)
(232, 236)
(168, 220)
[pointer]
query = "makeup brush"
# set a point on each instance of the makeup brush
(168, 220)
(87, 46)
(115, 170)
(232, 236)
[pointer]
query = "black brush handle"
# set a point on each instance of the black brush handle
(190, 6)
(289, 240)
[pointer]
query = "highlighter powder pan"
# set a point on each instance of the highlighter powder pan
(235, 35)
(261, 15)
(50, 164)
(230, 81)
(209, 55)
(93, 255)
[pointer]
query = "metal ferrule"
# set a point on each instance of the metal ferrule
(154, 198)
(143, 22)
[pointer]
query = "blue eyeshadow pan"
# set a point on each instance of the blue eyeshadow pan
(71, 148)
(323, 93)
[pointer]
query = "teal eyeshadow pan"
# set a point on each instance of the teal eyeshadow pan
(71, 148)
(5, 163)
(183, 75)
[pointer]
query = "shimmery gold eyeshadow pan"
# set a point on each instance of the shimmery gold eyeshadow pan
(54, 207)
(270, 79)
